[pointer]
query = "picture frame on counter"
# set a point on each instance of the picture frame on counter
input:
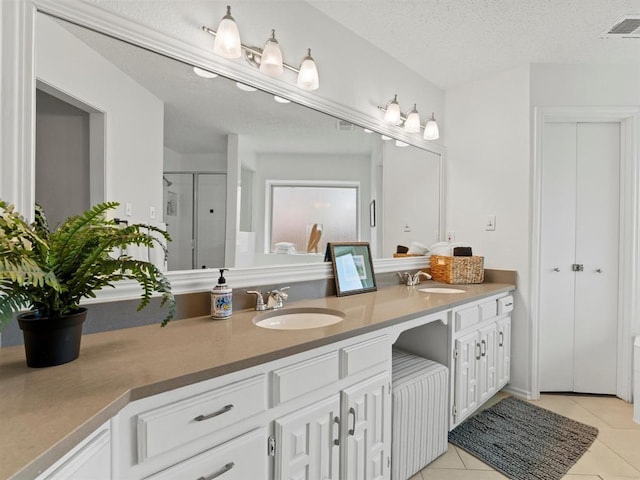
(352, 267)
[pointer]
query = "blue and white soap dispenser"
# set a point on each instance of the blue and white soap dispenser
(221, 298)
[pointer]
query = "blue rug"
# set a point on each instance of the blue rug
(523, 441)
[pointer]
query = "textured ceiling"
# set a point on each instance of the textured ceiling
(451, 42)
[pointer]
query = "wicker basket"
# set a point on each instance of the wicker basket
(457, 270)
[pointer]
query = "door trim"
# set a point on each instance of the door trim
(628, 118)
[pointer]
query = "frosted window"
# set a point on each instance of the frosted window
(296, 209)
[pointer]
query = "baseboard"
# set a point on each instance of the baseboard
(518, 392)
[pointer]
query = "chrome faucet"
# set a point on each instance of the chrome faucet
(275, 299)
(414, 279)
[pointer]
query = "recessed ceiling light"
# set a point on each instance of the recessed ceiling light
(280, 99)
(245, 88)
(204, 73)
(385, 138)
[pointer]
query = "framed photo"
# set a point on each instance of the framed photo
(352, 267)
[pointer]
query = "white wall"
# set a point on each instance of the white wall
(488, 164)
(194, 162)
(133, 115)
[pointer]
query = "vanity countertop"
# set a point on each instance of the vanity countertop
(47, 411)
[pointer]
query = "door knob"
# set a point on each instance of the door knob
(598, 270)
(556, 269)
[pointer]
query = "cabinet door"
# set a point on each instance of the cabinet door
(503, 360)
(92, 459)
(467, 350)
(367, 428)
(307, 442)
(487, 363)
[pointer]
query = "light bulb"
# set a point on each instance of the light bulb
(431, 131)
(271, 61)
(412, 123)
(308, 74)
(227, 43)
(392, 115)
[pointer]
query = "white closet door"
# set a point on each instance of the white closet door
(580, 225)
(597, 238)
(557, 255)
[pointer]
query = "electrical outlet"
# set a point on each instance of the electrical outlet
(127, 209)
(407, 228)
(451, 237)
(152, 212)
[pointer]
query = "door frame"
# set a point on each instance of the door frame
(629, 248)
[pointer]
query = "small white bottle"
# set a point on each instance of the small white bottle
(221, 298)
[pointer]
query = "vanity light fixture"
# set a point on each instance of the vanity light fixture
(431, 131)
(400, 143)
(227, 43)
(392, 111)
(385, 137)
(411, 121)
(280, 99)
(366, 130)
(268, 59)
(271, 60)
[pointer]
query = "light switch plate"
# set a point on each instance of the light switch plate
(491, 223)
(127, 209)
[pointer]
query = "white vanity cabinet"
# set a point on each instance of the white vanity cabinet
(474, 341)
(90, 459)
(348, 434)
(480, 357)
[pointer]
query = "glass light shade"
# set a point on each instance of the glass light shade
(308, 75)
(227, 43)
(412, 123)
(431, 131)
(385, 138)
(271, 61)
(392, 115)
(400, 143)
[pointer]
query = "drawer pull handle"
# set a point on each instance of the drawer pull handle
(336, 441)
(483, 348)
(508, 304)
(222, 471)
(224, 409)
(477, 351)
(501, 343)
(352, 431)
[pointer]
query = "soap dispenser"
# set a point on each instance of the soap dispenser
(221, 298)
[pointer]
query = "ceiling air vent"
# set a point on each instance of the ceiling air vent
(627, 27)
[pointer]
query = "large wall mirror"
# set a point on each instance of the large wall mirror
(240, 178)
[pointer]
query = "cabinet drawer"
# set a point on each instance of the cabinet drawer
(363, 355)
(505, 305)
(488, 309)
(467, 317)
(178, 423)
(242, 458)
(303, 377)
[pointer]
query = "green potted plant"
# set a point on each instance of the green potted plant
(50, 271)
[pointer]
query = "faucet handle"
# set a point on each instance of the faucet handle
(259, 300)
(403, 276)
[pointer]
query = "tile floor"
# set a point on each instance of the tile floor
(615, 454)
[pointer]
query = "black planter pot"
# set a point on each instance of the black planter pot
(49, 342)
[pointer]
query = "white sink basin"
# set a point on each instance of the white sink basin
(440, 290)
(298, 318)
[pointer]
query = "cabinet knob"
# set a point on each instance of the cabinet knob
(556, 269)
(598, 270)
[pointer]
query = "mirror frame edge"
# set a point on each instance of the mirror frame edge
(19, 139)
